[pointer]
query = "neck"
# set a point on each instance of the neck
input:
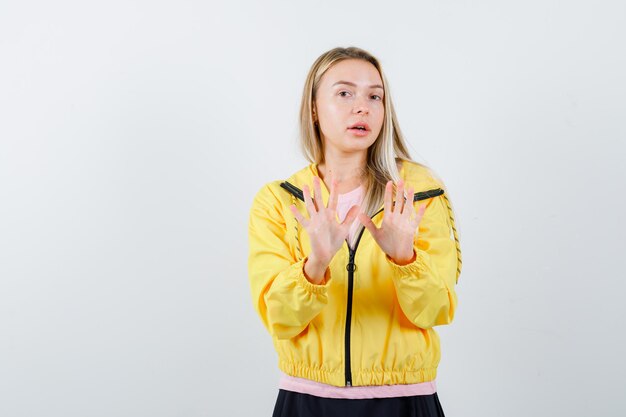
(348, 170)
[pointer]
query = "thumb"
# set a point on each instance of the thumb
(350, 216)
(369, 224)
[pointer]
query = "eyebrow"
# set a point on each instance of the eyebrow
(354, 85)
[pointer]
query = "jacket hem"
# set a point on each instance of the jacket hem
(389, 377)
(362, 378)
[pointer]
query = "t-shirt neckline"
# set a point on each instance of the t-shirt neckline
(357, 190)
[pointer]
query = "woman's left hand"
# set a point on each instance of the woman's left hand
(400, 222)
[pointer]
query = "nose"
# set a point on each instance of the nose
(360, 107)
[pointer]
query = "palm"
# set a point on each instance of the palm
(325, 233)
(400, 222)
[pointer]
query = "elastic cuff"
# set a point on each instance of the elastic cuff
(415, 266)
(308, 285)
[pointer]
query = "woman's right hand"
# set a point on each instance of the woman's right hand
(326, 234)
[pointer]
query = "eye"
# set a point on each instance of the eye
(379, 97)
(341, 92)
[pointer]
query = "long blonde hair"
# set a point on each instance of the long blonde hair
(382, 156)
(389, 146)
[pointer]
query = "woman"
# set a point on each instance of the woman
(353, 324)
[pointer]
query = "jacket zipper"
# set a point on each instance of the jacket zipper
(351, 267)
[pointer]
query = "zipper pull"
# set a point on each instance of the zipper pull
(351, 266)
(348, 384)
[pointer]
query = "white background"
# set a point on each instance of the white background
(133, 136)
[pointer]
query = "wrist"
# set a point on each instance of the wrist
(404, 259)
(315, 271)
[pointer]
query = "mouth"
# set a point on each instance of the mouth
(360, 126)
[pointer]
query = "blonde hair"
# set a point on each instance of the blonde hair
(389, 146)
(383, 155)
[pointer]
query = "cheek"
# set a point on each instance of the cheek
(380, 115)
(333, 109)
(333, 116)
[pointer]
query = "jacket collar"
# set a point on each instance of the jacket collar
(305, 176)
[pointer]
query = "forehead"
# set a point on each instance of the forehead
(357, 71)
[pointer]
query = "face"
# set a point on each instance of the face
(349, 92)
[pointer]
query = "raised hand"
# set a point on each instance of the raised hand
(326, 234)
(400, 222)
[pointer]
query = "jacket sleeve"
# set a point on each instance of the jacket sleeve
(426, 287)
(282, 296)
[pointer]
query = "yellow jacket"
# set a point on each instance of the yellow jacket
(372, 322)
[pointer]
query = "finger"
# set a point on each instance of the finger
(332, 199)
(308, 202)
(351, 215)
(418, 216)
(399, 197)
(409, 208)
(299, 217)
(319, 201)
(420, 212)
(388, 191)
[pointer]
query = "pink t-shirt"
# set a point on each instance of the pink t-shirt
(305, 386)
(345, 202)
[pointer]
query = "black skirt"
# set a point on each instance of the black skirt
(295, 404)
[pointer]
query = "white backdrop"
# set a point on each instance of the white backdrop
(134, 135)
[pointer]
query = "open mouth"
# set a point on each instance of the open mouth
(360, 126)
